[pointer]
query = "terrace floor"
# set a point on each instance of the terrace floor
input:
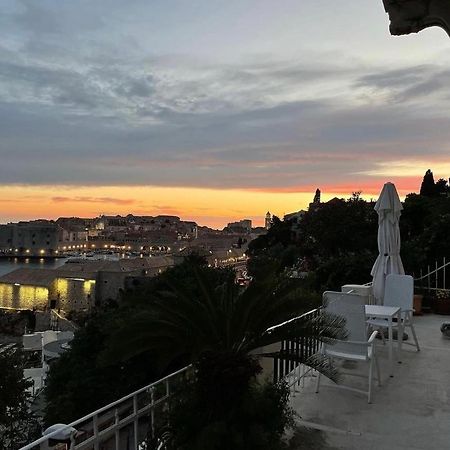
(409, 411)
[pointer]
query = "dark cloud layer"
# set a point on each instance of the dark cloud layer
(80, 105)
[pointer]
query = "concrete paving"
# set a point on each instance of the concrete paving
(409, 411)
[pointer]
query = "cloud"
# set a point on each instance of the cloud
(166, 210)
(116, 201)
(286, 145)
(409, 84)
(90, 99)
(405, 76)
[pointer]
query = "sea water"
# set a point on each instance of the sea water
(9, 264)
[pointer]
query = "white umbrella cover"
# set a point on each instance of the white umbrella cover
(389, 210)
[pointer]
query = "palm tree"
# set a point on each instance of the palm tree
(184, 321)
(210, 321)
(204, 313)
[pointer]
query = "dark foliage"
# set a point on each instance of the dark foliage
(272, 252)
(222, 379)
(13, 322)
(256, 420)
(144, 293)
(442, 187)
(425, 227)
(428, 187)
(79, 384)
(18, 425)
(338, 230)
(335, 242)
(196, 314)
(205, 311)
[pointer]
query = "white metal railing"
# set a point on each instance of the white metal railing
(56, 319)
(133, 417)
(286, 368)
(295, 379)
(435, 277)
(129, 419)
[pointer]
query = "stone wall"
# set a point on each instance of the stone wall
(109, 285)
(23, 296)
(72, 294)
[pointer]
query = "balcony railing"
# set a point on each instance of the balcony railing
(140, 417)
(289, 370)
(128, 423)
(61, 323)
(436, 276)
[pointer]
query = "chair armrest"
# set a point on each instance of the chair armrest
(372, 337)
(367, 343)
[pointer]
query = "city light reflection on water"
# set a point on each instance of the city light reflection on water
(9, 264)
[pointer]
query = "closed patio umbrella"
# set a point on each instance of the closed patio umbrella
(389, 210)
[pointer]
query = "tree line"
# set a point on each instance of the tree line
(335, 243)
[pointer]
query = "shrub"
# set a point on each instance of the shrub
(257, 421)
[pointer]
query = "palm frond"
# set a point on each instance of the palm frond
(325, 328)
(323, 364)
(186, 319)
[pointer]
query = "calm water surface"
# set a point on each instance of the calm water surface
(9, 264)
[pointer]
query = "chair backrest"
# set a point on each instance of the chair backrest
(399, 291)
(65, 335)
(360, 289)
(32, 341)
(50, 336)
(351, 307)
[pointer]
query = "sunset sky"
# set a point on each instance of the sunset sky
(213, 110)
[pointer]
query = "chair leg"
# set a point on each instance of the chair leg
(381, 331)
(413, 331)
(369, 394)
(377, 366)
(318, 382)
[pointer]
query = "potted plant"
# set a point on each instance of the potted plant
(417, 305)
(442, 305)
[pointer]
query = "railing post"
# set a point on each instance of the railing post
(436, 274)
(117, 430)
(100, 429)
(152, 411)
(275, 370)
(286, 360)
(95, 427)
(291, 351)
(72, 441)
(136, 422)
(445, 269)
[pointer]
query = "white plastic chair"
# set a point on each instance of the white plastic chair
(361, 289)
(50, 336)
(399, 291)
(357, 347)
(32, 341)
(61, 335)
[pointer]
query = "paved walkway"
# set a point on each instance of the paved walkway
(409, 411)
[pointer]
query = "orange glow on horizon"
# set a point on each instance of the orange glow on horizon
(211, 207)
(369, 189)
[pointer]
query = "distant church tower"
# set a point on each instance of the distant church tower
(268, 220)
(316, 202)
(317, 196)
